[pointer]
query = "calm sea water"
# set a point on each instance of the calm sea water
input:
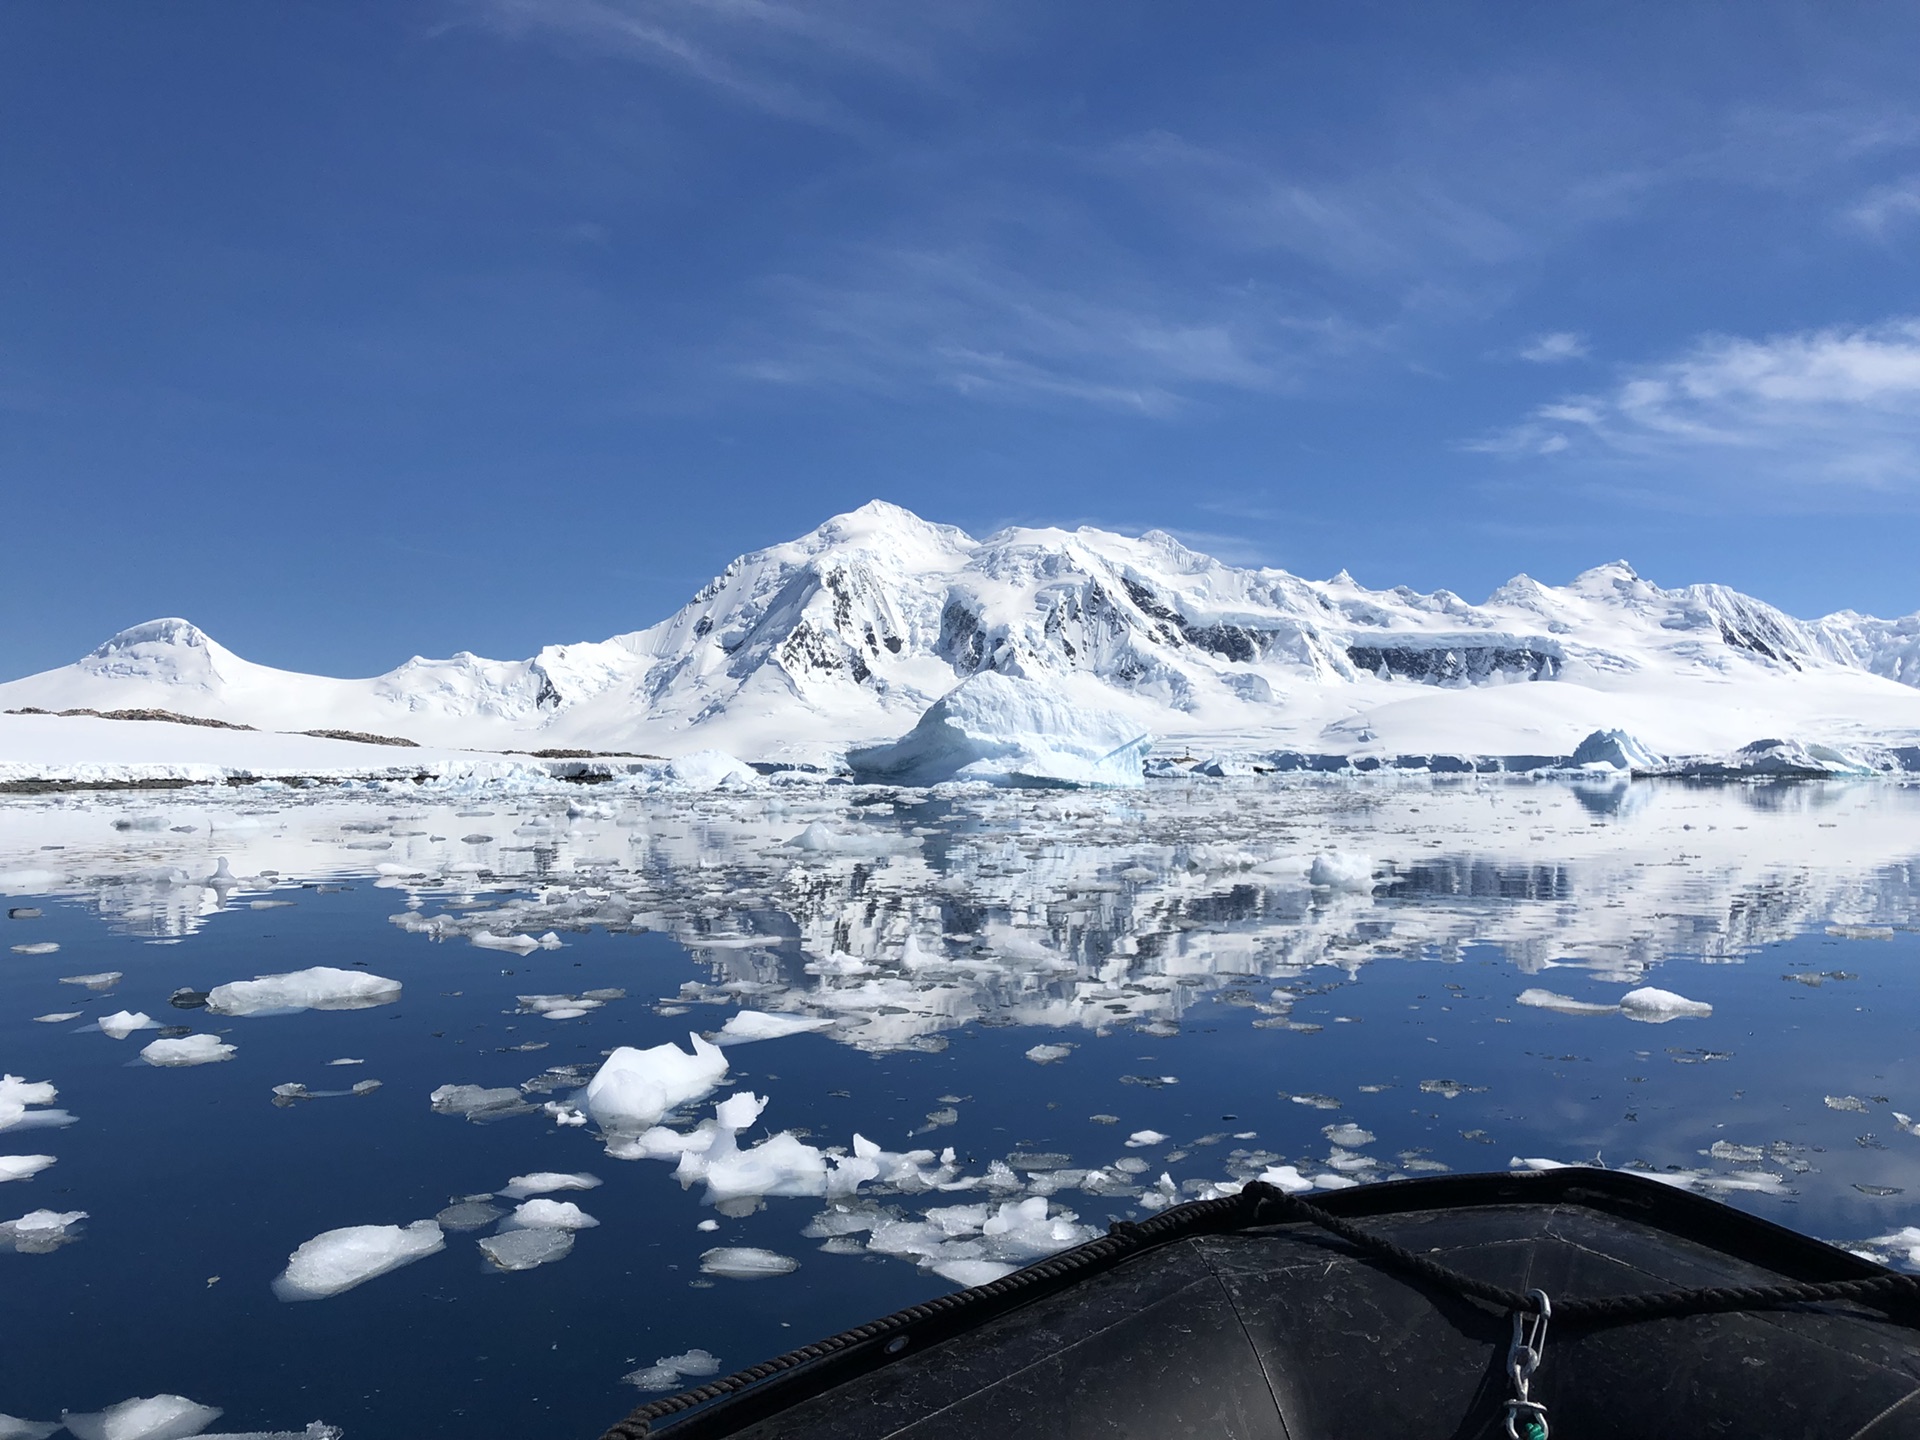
(1170, 945)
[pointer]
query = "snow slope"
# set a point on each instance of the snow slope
(846, 635)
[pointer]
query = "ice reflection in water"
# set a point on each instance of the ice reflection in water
(1037, 1011)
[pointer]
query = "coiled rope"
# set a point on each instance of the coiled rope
(1260, 1203)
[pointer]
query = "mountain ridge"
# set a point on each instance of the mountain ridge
(845, 635)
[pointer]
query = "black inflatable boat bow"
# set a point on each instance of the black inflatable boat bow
(1261, 1203)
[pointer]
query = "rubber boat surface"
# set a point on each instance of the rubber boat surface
(1672, 1316)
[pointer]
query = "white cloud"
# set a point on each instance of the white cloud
(1886, 207)
(1828, 408)
(1555, 346)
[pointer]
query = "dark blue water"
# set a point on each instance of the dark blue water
(198, 1186)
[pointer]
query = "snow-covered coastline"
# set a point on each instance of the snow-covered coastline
(846, 637)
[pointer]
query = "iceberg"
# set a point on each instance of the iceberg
(633, 1089)
(1614, 750)
(321, 987)
(337, 1260)
(1009, 731)
(1342, 870)
(123, 1023)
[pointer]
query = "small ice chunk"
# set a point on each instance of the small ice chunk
(973, 1272)
(123, 1023)
(22, 1167)
(707, 1227)
(519, 944)
(1846, 1102)
(1347, 1133)
(667, 1372)
(524, 1249)
(338, 1260)
(59, 1017)
(746, 1262)
(745, 1026)
(39, 1232)
(1341, 870)
(17, 1094)
(1656, 1007)
(478, 1103)
(1287, 1178)
(542, 1182)
(37, 947)
(1565, 1004)
(1048, 1054)
(552, 1215)
(634, 1088)
(1142, 1138)
(185, 1050)
(321, 987)
(468, 1215)
(158, 1417)
(346, 1062)
(105, 980)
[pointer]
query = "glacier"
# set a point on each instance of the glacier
(847, 639)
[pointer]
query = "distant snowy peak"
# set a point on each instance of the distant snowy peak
(848, 633)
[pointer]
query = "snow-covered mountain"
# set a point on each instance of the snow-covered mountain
(847, 634)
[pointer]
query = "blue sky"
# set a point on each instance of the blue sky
(358, 330)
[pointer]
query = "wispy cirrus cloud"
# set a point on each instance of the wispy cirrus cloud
(1817, 410)
(975, 324)
(789, 58)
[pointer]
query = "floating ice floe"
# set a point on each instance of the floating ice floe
(58, 1017)
(1656, 1007)
(552, 1215)
(158, 1417)
(22, 1167)
(479, 1103)
(338, 1260)
(1009, 731)
(633, 1089)
(123, 1023)
(746, 1262)
(527, 1249)
(542, 1182)
(669, 1371)
(20, 1102)
(38, 1232)
(184, 1050)
(1048, 1054)
(1141, 1138)
(105, 980)
(12, 1427)
(519, 944)
(1565, 1004)
(37, 947)
(1341, 870)
(1347, 1134)
(322, 987)
(567, 1007)
(745, 1026)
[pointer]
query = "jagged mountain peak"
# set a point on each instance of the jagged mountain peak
(848, 632)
